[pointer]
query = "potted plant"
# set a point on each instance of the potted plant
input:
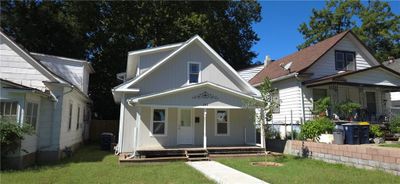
(378, 134)
(346, 108)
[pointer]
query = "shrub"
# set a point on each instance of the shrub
(314, 128)
(394, 125)
(344, 109)
(376, 130)
(321, 106)
(11, 134)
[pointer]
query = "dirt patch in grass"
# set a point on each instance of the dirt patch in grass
(266, 164)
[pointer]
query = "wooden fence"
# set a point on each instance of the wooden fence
(99, 126)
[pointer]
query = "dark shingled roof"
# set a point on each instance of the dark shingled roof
(301, 60)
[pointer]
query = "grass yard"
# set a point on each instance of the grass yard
(90, 165)
(299, 170)
(391, 145)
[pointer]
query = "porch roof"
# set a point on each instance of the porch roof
(376, 76)
(201, 95)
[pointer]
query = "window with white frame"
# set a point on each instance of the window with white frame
(70, 116)
(159, 122)
(222, 122)
(193, 72)
(345, 60)
(78, 117)
(9, 110)
(31, 113)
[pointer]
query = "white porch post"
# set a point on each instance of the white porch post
(205, 127)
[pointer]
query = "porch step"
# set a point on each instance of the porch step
(197, 155)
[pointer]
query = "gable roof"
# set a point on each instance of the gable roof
(30, 59)
(301, 60)
(211, 51)
(26, 55)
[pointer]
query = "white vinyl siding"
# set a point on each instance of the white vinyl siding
(289, 102)
(16, 69)
(177, 77)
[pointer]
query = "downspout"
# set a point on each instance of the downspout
(302, 99)
(121, 124)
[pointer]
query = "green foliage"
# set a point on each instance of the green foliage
(312, 129)
(104, 31)
(376, 130)
(346, 108)
(11, 135)
(378, 28)
(321, 106)
(394, 124)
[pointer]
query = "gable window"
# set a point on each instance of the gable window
(193, 72)
(31, 114)
(78, 117)
(70, 116)
(159, 120)
(222, 122)
(345, 60)
(8, 110)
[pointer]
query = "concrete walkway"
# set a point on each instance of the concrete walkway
(223, 174)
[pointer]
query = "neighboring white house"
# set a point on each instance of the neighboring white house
(183, 94)
(48, 92)
(395, 96)
(340, 67)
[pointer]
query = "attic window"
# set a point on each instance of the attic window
(345, 60)
(193, 72)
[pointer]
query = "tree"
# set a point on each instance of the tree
(266, 106)
(374, 23)
(103, 32)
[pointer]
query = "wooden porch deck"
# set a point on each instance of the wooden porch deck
(191, 153)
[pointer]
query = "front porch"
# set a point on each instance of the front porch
(201, 118)
(370, 88)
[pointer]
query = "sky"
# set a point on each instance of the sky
(278, 28)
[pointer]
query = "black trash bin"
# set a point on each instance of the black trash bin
(356, 133)
(106, 139)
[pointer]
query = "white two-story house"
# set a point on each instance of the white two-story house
(340, 67)
(183, 95)
(48, 92)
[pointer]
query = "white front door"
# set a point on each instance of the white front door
(185, 127)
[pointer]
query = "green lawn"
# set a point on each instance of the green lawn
(90, 165)
(391, 145)
(298, 170)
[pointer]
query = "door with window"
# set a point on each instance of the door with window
(185, 127)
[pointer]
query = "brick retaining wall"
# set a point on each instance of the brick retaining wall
(360, 156)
